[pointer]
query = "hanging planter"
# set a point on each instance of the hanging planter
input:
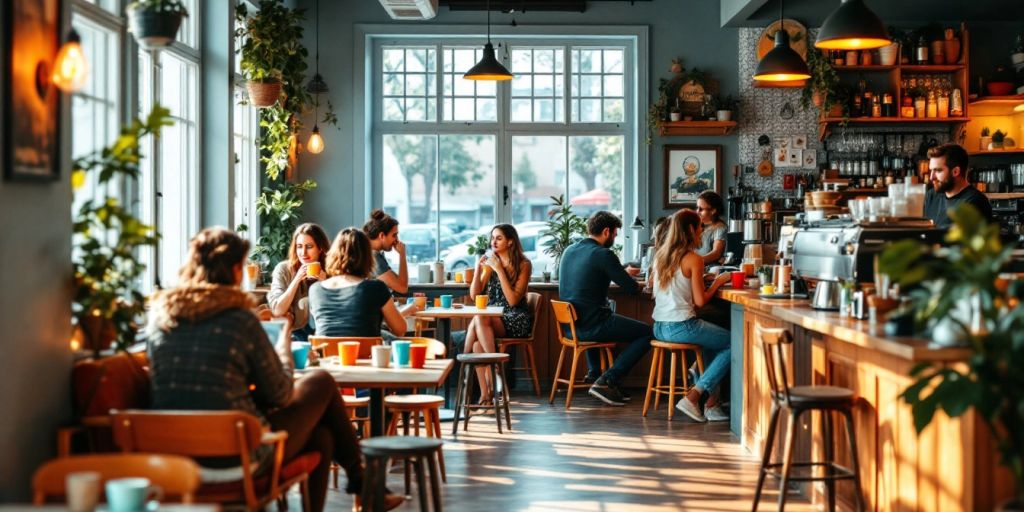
(264, 93)
(155, 23)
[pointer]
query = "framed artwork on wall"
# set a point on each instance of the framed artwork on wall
(31, 125)
(690, 170)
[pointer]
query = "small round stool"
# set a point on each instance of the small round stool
(415, 449)
(496, 362)
(654, 382)
(413, 405)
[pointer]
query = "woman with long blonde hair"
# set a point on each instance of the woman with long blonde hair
(678, 292)
(506, 278)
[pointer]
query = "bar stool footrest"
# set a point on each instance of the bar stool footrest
(840, 472)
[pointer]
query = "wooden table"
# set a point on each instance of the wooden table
(364, 375)
(444, 318)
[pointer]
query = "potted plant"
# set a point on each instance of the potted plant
(155, 23)
(270, 44)
(985, 139)
(990, 381)
(279, 209)
(764, 274)
(674, 114)
(820, 90)
(107, 237)
(997, 140)
(480, 245)
(563, 229)
(727, 105)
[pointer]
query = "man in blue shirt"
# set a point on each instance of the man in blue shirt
(586, 270)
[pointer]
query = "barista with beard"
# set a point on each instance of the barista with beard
(586, 270)
(950, 188)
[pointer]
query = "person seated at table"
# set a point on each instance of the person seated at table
(586, 271)
(678, 292)
(505, 280)
(207, 351)
(382, 229)
(712, 239)
(350, 302)
(289, 291)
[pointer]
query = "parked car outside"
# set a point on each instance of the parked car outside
(458, 258)
(421, 241)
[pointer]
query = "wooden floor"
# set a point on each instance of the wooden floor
(593, 458)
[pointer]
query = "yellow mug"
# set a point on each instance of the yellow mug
(767, 289)
(460, 277)
(481, 301)
(313, 269)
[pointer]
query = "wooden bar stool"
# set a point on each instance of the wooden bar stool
(565, 318)
(496, 362)
(362, 424)
(409, 407)
(378, 450)
(798, 400)
(654, 382)
(530, 363)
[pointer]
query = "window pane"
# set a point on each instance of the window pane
(599, 74)
(188, 34)
(247, 170)
(467, 195)
(109, 5)
(410, 190)
(468, 94)
(595, 180)
(408, 84)
(540, 79)
(538, 172)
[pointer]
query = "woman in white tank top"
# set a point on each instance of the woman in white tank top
(678, 283)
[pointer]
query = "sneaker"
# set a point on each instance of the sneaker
(590, 378)
(607, 392)
(688, 408)
(625, 395)
(716, 413)
(391, 501)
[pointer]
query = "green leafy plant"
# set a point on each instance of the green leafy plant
(727, 102)
(162, 6)
(107, 236)
(279, 209)
(998, 137)
(480, 245)
(824, 81)
(564, 228)
(985, 132)
(943, 280)
(270, 43)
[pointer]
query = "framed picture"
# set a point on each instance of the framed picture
(690, 170)
(784, 142)
(810, 158)
(780, 157)
(795, 157)
(31, 125)
(799, 142)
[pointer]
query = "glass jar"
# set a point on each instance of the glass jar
(919, 106)
(932, 107)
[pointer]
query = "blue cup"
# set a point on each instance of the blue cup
(300, 354)
(400, 352)
(446, 301)
(130, 494)
(410, 300)
(273, 329)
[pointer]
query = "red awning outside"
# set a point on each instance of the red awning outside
(596, 197)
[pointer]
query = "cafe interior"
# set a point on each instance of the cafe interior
(511, 181)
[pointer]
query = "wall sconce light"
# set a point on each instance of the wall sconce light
(70, 69)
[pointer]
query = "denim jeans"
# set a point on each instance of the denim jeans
(713, 339)
(618, 329)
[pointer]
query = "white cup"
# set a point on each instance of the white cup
(82, 490)
(423, 273)
(381, 356)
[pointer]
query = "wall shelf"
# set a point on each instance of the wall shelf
(996, 105)
(691, 128)
(864, 68)
(1005, 195)
(933, 68)
(826, 124)
(1015, 151)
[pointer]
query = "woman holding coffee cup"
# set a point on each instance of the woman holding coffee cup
(289, 291)
(505, 274)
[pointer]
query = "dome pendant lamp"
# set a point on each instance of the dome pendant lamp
(488, 68)
(782, 63)
(853, 26)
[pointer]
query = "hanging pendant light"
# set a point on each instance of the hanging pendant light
(70, 68)
(488, 68)
(317, 85)
(782, 63)
(315, 144)
(853, 26)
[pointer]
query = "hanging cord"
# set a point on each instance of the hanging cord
(488, 21)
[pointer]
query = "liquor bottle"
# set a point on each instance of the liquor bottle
(876, 106)
(922, 51)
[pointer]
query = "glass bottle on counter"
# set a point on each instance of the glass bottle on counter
(876, 106)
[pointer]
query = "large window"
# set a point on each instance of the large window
(452, 157)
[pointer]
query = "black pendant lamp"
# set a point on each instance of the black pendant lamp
(488, 68)
(317, 85)
(782, 63)
(853, 26)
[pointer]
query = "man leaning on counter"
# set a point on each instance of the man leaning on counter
(950, 188)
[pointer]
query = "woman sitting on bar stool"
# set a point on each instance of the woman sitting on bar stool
(206, 347)
(505, 275)
(678, 292)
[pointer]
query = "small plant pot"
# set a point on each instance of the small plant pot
(264, 94)
(724, 115)
(675, 116)
(887, 55)
(153, 29)
(835, 111)
(995, 145)
(984, 142)
(817, 99)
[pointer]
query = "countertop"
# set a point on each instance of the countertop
(849, 330)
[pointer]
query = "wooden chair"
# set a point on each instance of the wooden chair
(530, 364)
(655, 386)
(328, 345)
(218, 434)
(177, 477)
(565, 319)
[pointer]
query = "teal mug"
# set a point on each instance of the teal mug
(131, 494)
(446, 301)
(400, 352)
(300, 354)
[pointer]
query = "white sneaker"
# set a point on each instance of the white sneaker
(688, 408)
(716, 413)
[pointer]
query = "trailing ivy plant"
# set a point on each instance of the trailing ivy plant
(824, 81)
(279, 209)
(107, 237)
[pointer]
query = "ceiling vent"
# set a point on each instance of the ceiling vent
(410, 9)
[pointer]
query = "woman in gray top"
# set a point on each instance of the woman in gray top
(712, 238)
(289, 291)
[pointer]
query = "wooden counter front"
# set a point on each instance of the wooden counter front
(951, 466)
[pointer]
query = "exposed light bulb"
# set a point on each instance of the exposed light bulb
(316, 142)
(71, 69)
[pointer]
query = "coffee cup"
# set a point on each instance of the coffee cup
(313, 269)
(300, 354)
(767, 289)
(460, 277)
(747, 268)
(737, 279)
(130, 494)
(481, 301)
(470, 272)
(421, 302)
(400, 352)
(446, 301)
(82, 489)
(381, 356)
(349, 352)
(417, 356)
